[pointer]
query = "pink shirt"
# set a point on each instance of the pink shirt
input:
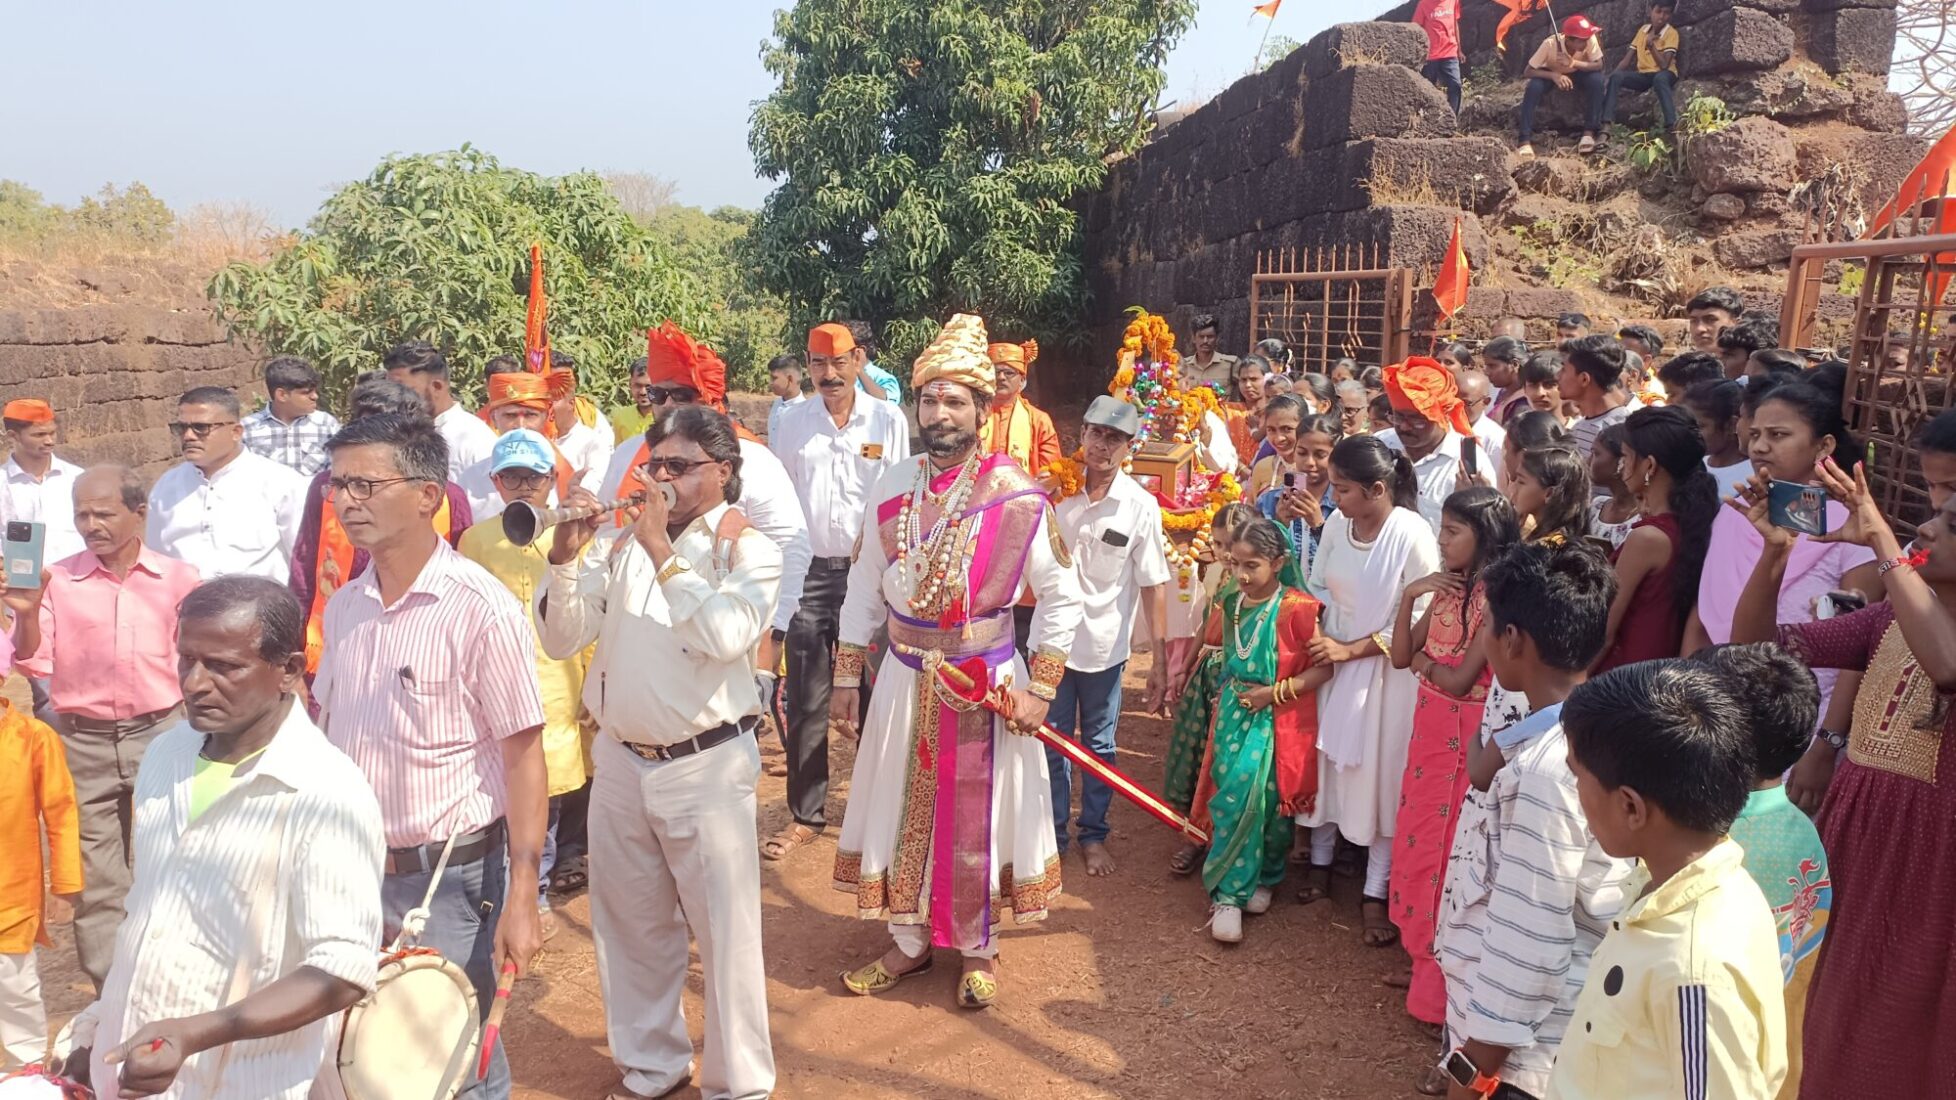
(1441, 21)
(109, 644)
(422, 693)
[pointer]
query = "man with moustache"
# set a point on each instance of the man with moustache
(835, 449)
(224, 509)
(1014, 425)
(950, 814)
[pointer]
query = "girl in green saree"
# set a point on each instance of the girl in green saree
(1261, 768)
(1188, 743)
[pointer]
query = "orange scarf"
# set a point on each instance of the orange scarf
(334, 567)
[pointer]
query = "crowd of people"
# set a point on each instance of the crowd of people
(1644, 785)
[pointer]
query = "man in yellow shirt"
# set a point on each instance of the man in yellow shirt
(522, 467)
(630, 421)
(1649, 65)
(1571, 61)
(35, 792)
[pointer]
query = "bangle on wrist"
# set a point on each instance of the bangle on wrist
(1901, 561)
(1379, 639)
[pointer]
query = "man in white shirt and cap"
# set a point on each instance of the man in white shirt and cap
(225, 509)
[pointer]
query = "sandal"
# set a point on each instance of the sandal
(876, 978)
(571, 877)
(1433, 1083)
(1188, 860)
(1317, 886)
(1378, 930)
(784, 843)
(977, 990)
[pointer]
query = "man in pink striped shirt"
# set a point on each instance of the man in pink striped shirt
(102, 628)
(428, 682)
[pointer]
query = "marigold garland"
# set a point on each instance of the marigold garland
(1069, 474)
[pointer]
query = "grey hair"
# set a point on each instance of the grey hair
(135, 491)
(1352, 386)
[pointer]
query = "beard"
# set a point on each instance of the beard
(948, 440)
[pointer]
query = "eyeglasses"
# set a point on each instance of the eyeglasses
(201, 431)
(674, 467)
(1408, 418)
(521, 481)
(679, 395)
(359, 488)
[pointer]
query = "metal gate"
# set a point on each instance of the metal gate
(1900, 348)
(1331, 304)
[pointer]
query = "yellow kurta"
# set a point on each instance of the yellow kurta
(566, 749)
(628, 423)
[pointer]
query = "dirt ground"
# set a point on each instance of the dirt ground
(1119, 993)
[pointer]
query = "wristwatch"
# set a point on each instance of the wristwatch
(1838, 740)
(1462, 1071)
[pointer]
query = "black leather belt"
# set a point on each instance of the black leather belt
(469, 848)
(718, 735)
(831, 565)
(99, 726)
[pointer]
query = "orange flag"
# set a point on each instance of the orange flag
(1930, 179)
(536, 338)
(1518, 12)
(1450, 285)
(1269, 10)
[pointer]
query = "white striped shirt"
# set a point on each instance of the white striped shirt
(1529, 893)
(421, 694)
(191, 906)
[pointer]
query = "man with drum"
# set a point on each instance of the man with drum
(676, 604)
(255, 910)
(428, 681)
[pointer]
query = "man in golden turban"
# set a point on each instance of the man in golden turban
(1014, 425)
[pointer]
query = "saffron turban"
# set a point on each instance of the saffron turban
(1425, 386)
(958, 354)
(831, 340)
(1017, 356)
(530, 391)
(33, 410)
(563, 383)
(673, 358)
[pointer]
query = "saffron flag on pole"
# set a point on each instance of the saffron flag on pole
(536, 336)
(1518, 12)
(1450, 285)
(1269, 10)
(1933, 180)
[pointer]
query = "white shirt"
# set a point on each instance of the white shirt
(1439, 469)
(588, 450)
(1729, 478)
(1494, 443)
(684, 648)
(469, 442)
(50, 501)
(774, 412)
(767, 499)
(190, 907)
(1116, 544)
(834, 468)
(243, 519)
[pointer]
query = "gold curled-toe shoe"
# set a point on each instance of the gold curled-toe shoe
(876, 978)
(977, 990)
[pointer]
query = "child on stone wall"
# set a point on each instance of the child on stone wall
(1649, 65)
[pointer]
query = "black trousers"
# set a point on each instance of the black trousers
(811, 665)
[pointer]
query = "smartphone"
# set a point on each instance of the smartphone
(1838, 602)
(1470, 456)
(1290, 479)
(1798, 507)
(23, 548)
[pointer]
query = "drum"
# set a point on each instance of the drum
(414, 1037)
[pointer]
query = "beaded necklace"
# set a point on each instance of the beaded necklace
(1243, 650)
(944, 550)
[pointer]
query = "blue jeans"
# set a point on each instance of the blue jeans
(1589, 85)
(1445, 73)
(1089, 702)
(1661, 82)
(462, 926)
(548, 861)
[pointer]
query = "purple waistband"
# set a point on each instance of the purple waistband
(990, 639)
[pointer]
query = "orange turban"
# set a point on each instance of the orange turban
(831, 340)
(673, 358)
(1424, 385)
(531, 391)
(563, 383)
(1017, 356)
(33, 410)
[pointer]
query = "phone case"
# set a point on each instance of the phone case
(23, 555)
(1798, 507)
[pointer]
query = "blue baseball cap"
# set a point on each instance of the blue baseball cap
(522, 449)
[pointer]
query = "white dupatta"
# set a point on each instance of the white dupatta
(1356, 607)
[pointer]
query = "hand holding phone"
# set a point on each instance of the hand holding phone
(1797, 507)
(23, 549)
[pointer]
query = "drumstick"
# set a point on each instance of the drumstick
(495, 1024)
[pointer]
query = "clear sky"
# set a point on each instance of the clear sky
(276, 103)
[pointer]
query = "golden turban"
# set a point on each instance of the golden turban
(957, 355)
(1018, 356)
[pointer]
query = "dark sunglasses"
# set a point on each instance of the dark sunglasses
(682, 395)
(674, 467)
(201, 431)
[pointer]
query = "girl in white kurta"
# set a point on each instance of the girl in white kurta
(902, 848)
(1372, 547)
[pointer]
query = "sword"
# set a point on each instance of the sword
(967, 688)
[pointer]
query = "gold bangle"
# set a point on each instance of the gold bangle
(849, 664)
(1042, 691)
(1379, 639)
(674, 566)
(1047, 667)
(1277, 694)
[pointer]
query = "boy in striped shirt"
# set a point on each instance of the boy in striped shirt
(1684, 996)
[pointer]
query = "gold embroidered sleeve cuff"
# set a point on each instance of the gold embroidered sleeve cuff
(1048, 665)
(849, 662)
(674, 566)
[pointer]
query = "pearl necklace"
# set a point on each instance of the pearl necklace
(1243, 650)
(945, 550)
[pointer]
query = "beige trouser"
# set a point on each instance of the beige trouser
(673, 847)
(23, 1020)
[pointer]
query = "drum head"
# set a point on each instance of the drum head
(415, 1037)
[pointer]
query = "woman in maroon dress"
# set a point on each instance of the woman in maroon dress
(1881, 1019)
(1657, 566)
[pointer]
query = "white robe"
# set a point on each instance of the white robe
(1022, 802)
(1365, 712)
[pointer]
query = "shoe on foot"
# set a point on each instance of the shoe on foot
(1525, 150)
(1587, 144)
(1259, 903)
(1226, 924)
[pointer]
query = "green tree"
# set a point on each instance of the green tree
(714, 246)
(24, 217)
(926, 154)
(1275, 50)
(131, 214)
(436, 247)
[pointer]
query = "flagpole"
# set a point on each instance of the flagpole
(1262, 42)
